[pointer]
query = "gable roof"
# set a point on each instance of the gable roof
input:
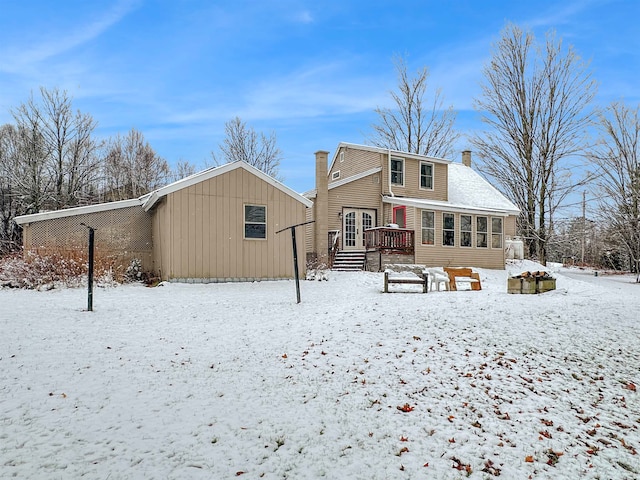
(398, 153)
(468, 192)
(69, 212)
(149, 200)
(313, 193)
(216, 171)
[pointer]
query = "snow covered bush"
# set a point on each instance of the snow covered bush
(64, 269)
(134, 272)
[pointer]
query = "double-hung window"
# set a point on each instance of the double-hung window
(496, 232)
(448, 229)
(428, 227)
(481, 232)
(255, 221)
(397, 171)
(465, 230)
(426, 176)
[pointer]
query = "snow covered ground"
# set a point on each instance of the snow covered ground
(225, 380)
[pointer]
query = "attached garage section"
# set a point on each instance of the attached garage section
(221, 225)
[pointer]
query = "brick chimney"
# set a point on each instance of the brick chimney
(466, 158)
(321, 208)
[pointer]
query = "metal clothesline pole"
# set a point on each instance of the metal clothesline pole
(90, 273)
(295, 253)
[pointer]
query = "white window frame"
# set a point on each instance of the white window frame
(432, 229)
(425, 176)
(452, 229)
(401, 171)
(497, 235)
(470, 231)
(335, 175)
(480, 232)
(341, 157)
(247, 223)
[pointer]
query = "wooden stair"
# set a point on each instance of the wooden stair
(349, 261)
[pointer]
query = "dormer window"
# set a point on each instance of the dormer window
(397, 171)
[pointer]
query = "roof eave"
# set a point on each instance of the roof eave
(436, 205)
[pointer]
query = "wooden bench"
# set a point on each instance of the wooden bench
(406, 278)
(463, 275)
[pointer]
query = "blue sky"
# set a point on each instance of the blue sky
(312, 71)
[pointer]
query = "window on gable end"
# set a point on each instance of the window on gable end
(255, 221)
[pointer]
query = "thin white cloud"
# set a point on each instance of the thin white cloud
(19, 59)
(559, 14)
(303, 17)
(305, 93)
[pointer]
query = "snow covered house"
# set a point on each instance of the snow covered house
(374, 206)
(216, 225)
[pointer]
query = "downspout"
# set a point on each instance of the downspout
(390, 191)
(389, 166)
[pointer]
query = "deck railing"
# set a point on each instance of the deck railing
(390, 240)
(334, 245)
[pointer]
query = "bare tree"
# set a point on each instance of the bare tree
(617, 156)
(534, 102)
(415, 124)
(132, 168)
(183, 169)
(11, 203)
(245, 144)
(62, 141)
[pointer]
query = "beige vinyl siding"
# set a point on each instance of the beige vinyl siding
(204, 228)
(355, 161)
(310, 238)
(362, 193)
(456, 256)
(509, 226)
(411, 175)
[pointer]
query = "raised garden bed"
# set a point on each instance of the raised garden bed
(531, 282)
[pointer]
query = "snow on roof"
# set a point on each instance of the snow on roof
(467, 187)
(468, 192)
